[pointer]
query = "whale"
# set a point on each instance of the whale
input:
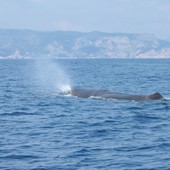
(107, 94)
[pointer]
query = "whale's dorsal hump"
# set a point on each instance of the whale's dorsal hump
(155, 96)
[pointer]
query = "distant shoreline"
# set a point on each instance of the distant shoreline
(18, 44)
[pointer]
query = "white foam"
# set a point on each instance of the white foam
(97, 97)
(65, 88)
(167, 98)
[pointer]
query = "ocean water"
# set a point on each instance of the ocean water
(41, 129)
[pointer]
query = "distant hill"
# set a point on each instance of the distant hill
(62, 44)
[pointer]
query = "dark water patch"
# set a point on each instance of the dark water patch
(147, 118)
(18, 113)
(165, 105)
(134, 108)
(20, 157)
(100, 133)
(81, 153)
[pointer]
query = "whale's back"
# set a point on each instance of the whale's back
(107, 94)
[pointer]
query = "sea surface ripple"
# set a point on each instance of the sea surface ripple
(44, 130)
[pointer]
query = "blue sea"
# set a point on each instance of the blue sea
(41, 129)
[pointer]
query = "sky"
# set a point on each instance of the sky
(113, 16)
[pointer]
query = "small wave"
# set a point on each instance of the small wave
(167, 98)
(20, 157)
(103, 98)
(96, 97)
(17, 113)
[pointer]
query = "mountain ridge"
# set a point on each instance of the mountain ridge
(24, 44)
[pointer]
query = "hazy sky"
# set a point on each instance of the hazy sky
(128, 16)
